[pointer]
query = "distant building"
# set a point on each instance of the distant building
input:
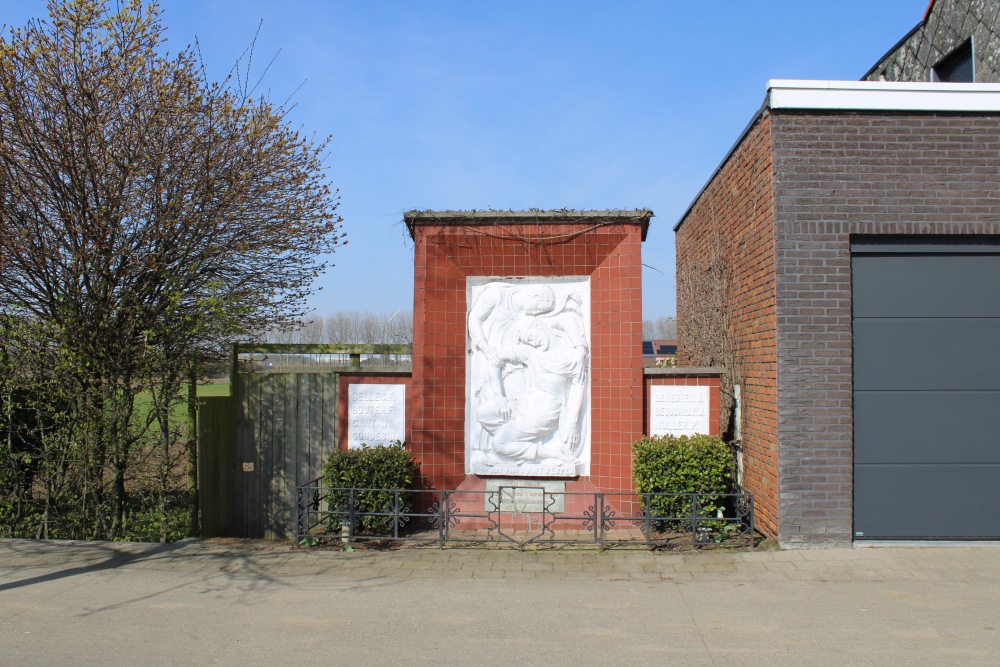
(958, 41)
(659, 352)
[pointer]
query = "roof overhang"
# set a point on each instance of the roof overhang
(888, 96)
(882, 96)
(639, 217)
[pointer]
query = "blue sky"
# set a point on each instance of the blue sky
(516, 105)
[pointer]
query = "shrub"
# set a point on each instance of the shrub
(383, 468)
(148, 524)
(681, 464)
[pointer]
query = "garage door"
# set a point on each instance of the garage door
(926, 389)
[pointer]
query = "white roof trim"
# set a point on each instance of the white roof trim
(882, 95)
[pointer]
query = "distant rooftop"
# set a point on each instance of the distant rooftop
(549, 217)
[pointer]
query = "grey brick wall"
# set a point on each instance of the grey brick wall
(949, 23)
(837, 175)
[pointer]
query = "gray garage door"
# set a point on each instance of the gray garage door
(926, 389)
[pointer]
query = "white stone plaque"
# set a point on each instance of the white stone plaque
(376, 414)
(527, 410)
(678, 410)
(525, 495)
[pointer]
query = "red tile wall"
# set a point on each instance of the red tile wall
(447, 254)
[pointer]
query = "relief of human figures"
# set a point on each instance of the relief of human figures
(529, 384)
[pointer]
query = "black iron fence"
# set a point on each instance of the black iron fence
(522, 516)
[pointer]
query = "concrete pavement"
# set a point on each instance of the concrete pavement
(244, 602)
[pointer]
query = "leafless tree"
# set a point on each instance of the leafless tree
(147, 217)
(660, 328)
(349, 327)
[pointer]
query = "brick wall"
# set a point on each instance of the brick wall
(734, 216)
(841, 174)
(450, 250)
(949, 23)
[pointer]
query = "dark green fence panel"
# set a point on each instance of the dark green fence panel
(285, 429)
(271, 436)
(216, 462)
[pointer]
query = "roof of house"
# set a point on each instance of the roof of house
(659, 347)
(892, 49)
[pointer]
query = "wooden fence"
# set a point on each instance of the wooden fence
(273, 434)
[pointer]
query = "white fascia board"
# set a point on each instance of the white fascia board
(882, 95)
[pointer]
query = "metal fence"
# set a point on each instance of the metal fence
(293, 358)
(523, 516)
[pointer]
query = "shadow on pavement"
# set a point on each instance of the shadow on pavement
(114, 557)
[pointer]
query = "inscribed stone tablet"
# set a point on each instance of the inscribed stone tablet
(678, 410)
(376, 414)
(525, 496)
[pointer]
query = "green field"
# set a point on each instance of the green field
(178, 413)
(215, 389)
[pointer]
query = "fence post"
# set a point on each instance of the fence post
(350, 519)
(599, 525)
(395, 513)
(694, 518)
(442, 517)
(646, 506)
(299, 510)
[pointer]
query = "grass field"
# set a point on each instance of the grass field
(215, 389)
(178, 414)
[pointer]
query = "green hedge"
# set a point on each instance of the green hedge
(387, 467)
(682, 464)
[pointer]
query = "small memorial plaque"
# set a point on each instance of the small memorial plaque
(375, 414)
(524, 496)
(678, 410)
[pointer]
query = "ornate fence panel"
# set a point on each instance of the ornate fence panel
(522, 517)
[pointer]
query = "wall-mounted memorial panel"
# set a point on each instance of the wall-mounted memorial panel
(678, 410)
(376, 414)
(528, 377)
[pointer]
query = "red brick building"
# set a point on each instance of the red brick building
(854, 231)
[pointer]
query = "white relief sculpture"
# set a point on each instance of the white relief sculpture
(528, 411)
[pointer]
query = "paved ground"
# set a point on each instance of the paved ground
(204, 603)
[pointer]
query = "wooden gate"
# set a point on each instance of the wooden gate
(274, 432)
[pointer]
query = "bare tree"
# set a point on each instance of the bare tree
(147, 217)
(660, 328)
(311, 332)
(348, 327)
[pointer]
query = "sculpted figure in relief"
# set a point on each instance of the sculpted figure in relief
(529, 378)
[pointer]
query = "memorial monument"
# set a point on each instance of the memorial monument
(528, 386)
(527, 367)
